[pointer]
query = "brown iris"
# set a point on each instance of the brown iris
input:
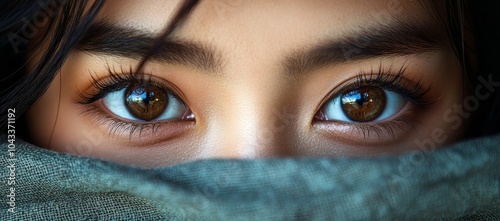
(364, 104)
(146, 102)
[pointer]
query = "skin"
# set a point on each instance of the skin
(250, 108)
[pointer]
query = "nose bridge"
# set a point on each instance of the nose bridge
(250, 123)
(238, 131)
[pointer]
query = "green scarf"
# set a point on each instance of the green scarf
(460, 182)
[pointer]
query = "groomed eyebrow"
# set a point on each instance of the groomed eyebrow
(398, 38)
(108, 39)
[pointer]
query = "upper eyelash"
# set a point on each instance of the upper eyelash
(384, 78)
(114, 83)
(387, 79)
(117, 81)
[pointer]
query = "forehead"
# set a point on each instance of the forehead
(278, 15)
(258, 34)
(261, 28)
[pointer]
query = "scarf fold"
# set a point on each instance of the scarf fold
(459, 182)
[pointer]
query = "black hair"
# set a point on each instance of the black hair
(482, 48)
(471, 26)
(20, 23)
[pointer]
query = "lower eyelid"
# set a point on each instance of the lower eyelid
(398, 107)
(382, 132)
(134, 133)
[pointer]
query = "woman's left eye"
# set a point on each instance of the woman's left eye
(144, 102)
(363, 104)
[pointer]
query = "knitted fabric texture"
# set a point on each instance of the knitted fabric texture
(459, 182)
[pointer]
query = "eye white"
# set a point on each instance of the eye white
(115, 103)
(394, 103)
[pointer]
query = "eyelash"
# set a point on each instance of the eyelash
(383, 78)
(387, 79)
(394, 81)
(115, 82)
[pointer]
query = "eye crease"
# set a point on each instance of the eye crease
(365, 104)
(161, 89)
(145, 103)
(137, 98)
(381, 102)
(191, 109)
(373, 99)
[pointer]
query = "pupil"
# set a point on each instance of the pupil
(364, 104)
(146, 102)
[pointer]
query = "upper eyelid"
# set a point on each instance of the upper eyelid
(351, 83)
(399, 37)
(387, 79)
(119, 80)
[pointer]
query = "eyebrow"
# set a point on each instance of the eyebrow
(399, 38)
(113, 40)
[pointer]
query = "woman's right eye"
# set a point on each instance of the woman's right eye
(145, 102)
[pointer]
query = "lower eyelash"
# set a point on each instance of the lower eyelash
(117, 81)
(378, 131)
(415, 93)
(116, 126)
(400, 123)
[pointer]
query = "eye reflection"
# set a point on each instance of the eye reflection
(146, 102)
(364, 104)
(143, 102)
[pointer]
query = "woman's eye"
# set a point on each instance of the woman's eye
(143, 102)
(364, 104)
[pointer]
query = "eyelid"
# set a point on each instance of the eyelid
(372, 133)
(148, 133)
(383, 131)
(114, 103)
(391, 108)
(117, 80)
(388, 79)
